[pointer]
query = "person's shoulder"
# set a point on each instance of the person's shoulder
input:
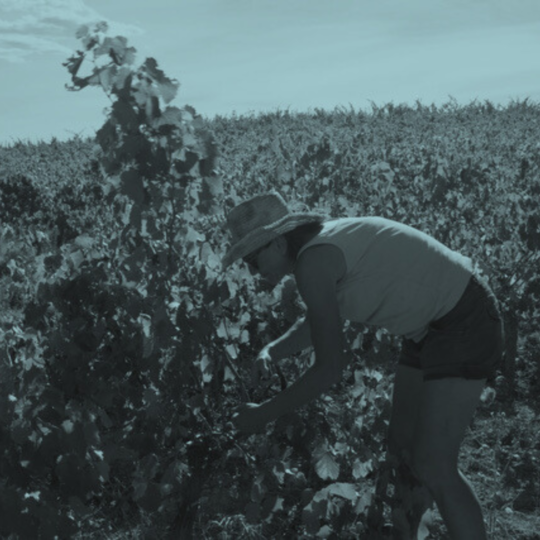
(317, 272)
(321, 261)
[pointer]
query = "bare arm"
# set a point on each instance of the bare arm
(317, 285)
(296, 339)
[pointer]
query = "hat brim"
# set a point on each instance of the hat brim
(262, 235)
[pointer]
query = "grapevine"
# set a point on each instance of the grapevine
(119, 380)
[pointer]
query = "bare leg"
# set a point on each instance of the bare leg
(412, 500)
(447, 407)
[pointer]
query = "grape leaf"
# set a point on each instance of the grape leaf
(82, 31)
(125, 115)
(106, 78)
(106, 135)
(152, 108)
(325, 531)
(364, 502)
(121, 77)
(362, 469)
(132, 186)
(342, 489)
(103, 48)
(327, 467)
(84, 241)
(76, 258)
(73, 63)
(118, 44)
(191, 110)
(167, 87)
(312, 513)
(170, 116)
(101, 26)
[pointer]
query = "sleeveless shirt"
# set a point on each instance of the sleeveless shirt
(397, 277)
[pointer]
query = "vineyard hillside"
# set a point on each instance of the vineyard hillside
(123, 354)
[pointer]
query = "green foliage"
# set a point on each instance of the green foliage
(109, 360)
(125, 348)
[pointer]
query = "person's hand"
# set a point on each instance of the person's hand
(263, 367)
(248, 418)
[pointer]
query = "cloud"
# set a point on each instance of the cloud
(16, 47)
(431, 18)
(30, 27)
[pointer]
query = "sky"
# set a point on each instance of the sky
(250, 56)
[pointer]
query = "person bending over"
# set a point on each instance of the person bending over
(386, 274)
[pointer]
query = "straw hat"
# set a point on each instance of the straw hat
(259, 220)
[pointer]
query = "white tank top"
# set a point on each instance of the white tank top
(397, 277)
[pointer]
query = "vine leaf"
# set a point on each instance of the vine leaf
(132, 186)
(341, 489)
(362, 468)
(167, 87)
(326, 466)
(82, 31)
(73, 63)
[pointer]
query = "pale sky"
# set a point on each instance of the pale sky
(264, 55)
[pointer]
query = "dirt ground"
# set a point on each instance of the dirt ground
(501, 458)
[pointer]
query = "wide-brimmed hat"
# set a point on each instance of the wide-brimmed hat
(261, 219)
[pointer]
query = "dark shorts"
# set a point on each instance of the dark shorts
(467, 342)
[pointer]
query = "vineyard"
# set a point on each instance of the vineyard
(125, 348)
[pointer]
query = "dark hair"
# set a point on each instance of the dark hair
(299, 236)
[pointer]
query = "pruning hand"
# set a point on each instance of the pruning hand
(262, 367)
(248, 418)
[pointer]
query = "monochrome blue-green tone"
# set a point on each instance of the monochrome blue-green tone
(263, 55)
